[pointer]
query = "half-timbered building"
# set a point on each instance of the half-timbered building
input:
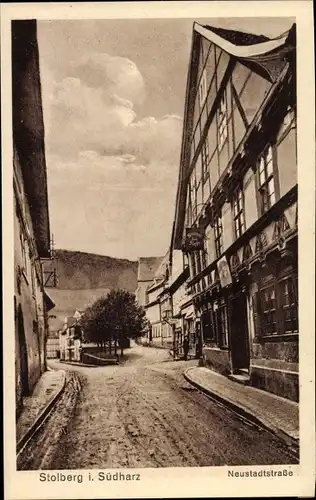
(236, 206)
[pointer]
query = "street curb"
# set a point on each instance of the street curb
(280, 434)
(71, 363)
(39, 420)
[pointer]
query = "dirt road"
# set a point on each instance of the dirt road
(144, 414)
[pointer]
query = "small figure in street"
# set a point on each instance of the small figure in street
(186, 347)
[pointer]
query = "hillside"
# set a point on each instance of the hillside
(84, 277)
(85, 271)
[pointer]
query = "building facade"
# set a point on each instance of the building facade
(147, 266)
(70, 338)
(157, 302)
(183, 313)
(236, 208)
(31, 217)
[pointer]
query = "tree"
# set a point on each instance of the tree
(115, 317)
(126, 318)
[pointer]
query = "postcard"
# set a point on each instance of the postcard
(159, 278)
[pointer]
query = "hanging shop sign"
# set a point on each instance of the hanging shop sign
(224, 272)
(194, 239)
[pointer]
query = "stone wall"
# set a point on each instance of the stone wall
(274, 368)
(217, 359)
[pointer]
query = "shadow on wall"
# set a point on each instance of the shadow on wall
(24, 372)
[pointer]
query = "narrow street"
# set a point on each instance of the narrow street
(144, 414)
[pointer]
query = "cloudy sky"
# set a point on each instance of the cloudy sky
(113, 99)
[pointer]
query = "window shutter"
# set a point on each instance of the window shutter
(256, 313)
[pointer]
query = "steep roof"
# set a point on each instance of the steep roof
(147, 267)
(237, 37)
(161, 269)
(71, 321)
(244, 45)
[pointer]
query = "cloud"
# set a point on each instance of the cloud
(94, 111)
(118, 74)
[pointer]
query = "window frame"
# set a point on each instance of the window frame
(222, 327)
(218, 235)
(193, 265)
(279, 311)
(267, 312)
(222, 121)
(238, 211)
(209, 337)
(293, 307)
(270, 174)
(205, 159)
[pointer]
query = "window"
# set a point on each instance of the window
(202, 92)
(266, 180)
(275, 307)
(288, 296)
(205, 160)
(222, 122)
(238, 213)
(198, 169)
(220, 312)
(207, 326)
(223, 330)
(268, 301)
(193, 196)
(218, 230)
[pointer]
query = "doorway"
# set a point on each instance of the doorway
(24, 371)
(239, 333)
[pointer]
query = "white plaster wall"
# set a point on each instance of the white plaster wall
(153, 313)
(287, 163)
(251, 210)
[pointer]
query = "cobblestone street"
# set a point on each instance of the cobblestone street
(144, 414)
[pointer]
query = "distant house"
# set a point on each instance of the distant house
(181, 304)
(31, 217)
(70, 338)
(160, 331)
(147, 267)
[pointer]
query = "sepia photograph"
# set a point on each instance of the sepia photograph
(156, 250)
